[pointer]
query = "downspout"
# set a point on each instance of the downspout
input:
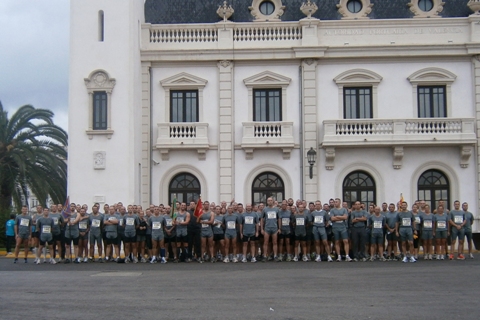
(151, 139)
(300, 107)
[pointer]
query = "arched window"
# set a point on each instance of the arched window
(265, 185)
(185, 187)
(433, 186)
(359, 186)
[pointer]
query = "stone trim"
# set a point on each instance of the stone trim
(362, 14)
(433, 13)
(260, 17)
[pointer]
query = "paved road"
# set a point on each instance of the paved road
(370, 290)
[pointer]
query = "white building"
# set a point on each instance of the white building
(167, 98)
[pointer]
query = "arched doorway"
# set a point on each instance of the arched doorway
(433, 185)
(359, 186)
(267, 184)
(185, 187)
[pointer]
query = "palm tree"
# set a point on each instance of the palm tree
(33, 154)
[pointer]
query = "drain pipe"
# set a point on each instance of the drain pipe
(151, 139)
(300, 108)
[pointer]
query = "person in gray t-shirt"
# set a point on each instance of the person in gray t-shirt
(321, 220)
(96, 225)
(249, 231)
(156, 222)
(469, 219)
(23, 232)
(339, 217)
(285, 217)
(300, 221)
(44, 227)
(230, 222)
(131, 223)
(269, 228)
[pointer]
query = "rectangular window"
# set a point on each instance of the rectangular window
(432, 102)
(184, 106)
(357, 103)
(100, 110)
(267, 105)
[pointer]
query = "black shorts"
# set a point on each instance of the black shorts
(309, 236)
(218, 237)
(130, 239)
(148, 241)
(43, 243)
(84, 237)
(35, 234)
(301, 237)
(282, 236)
(68, 241)
(111, 241)
(329, 234)
(182, 239)
(57, 237)
(170, 239)
(248, 239)
(392, 236)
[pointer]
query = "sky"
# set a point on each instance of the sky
(34, 54)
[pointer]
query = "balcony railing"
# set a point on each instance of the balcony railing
(398, 132)
(182, 136)
(268, 135)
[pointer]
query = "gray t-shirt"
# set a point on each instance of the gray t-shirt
(405, 219)
(156, 223)
(83, 224)
(230, 221)
(71, 231)
(418, 220)
(24, 223)
(44, 227)
(182, 229)
(168, 225)
(339, 213)
(121, 224)
(249, 221)
(285, 219)
(111, 228)
(469, 218)
(130, 222)
(320, 218)
(300, 221)
(377, 223)
(270, 216)
(391, 219)
(427, 220)
(57, 223)
(95, 224)
(457, 217)
(217, 224)
(441, 222)
(359, 214)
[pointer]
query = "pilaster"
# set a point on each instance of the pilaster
(145, 170)
(476, 81)
(226, 143)
(310, 126)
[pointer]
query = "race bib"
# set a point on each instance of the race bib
(130, 221)
(377, 224)
(441, 224)
(169, 223)
(417, 220)
(406, 222)
(300, 221)
(24, 222)
(72, 220)
(248, 220)
(82, 225)
(180, 219)
(285, 221)
(156, 225)
(46, 229)
(458, 219)
(204, 225)
(230, 224)
(318, 219)
(272, 215)
(120, 222)
(55, 221)
(427, 224)
(96, 223)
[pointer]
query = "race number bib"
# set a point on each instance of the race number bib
(120, 222)
(417, 220)
(156, 225)
(96, 223)
(46, 229)
(406, 222)
(205, 225)
(271, 215)
(180, 219)
(441, 224)
(24, 222)
(285, 221)
(300, 221)
(248, 220)
(130, 222)
(427, 224)
(169, 223)
(72, 220)
(458, 219)
(82, 225)
(377, 224)
(55, 221)
(230, 224)
(318, 219)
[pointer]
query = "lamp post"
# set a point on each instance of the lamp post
(311, 157)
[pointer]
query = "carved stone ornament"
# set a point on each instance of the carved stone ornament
(99, 160)
(225, 12)
(225, 63)
(308, 8)
(362, 14)
(99, 79)
(260, 17)
(432, 13)
(474, 5)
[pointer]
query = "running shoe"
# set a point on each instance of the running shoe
(318, 258)
(348, 259)
(162, 260)
(412, 259)
(295, 259)
(85, 260)
(234, 260)
(330, 259)
(450, 257)
(305, 259)
(405, 259)
(253, 259)
(244, 260)
(339, 259)
(16, 260)
(471, 255)
(461, 257)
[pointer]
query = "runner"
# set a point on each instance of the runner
(440, 229)
(285, 235)
(300, 222)
(427, 231)
(468, 227)
(219, 234)
(321, 220)
(249, 232)
(131, 223)
(96, 226)
(182, 222)
(44, 227)
(83, 229)
(158, 245)
(338, 217)
(457, 223)
(230, 222)
(206, 221)
(404, 229)
(376, 223)
(269, 228)
(58, 222)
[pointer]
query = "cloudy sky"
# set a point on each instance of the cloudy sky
(34, 48)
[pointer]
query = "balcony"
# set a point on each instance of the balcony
(182, 136)
(399, 133)
(267, 135)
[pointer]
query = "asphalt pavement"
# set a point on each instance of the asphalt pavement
(285, 290)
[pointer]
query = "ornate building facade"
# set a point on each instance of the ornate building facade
(226, 99)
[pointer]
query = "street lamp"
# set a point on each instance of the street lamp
(311, 157)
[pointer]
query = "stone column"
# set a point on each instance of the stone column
(145, 187)
(310, 127)
(226, 132)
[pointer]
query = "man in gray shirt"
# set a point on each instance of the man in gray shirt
(23, 232)
(269, 228)
(359, 222)
(249, 232)
(44, 227)
(338, 217)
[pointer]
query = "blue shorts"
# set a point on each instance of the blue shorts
(460, 234)
(319, 233)
(376, 238)
(406, 234)
(340, 234)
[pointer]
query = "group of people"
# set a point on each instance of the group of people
(279, 231)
